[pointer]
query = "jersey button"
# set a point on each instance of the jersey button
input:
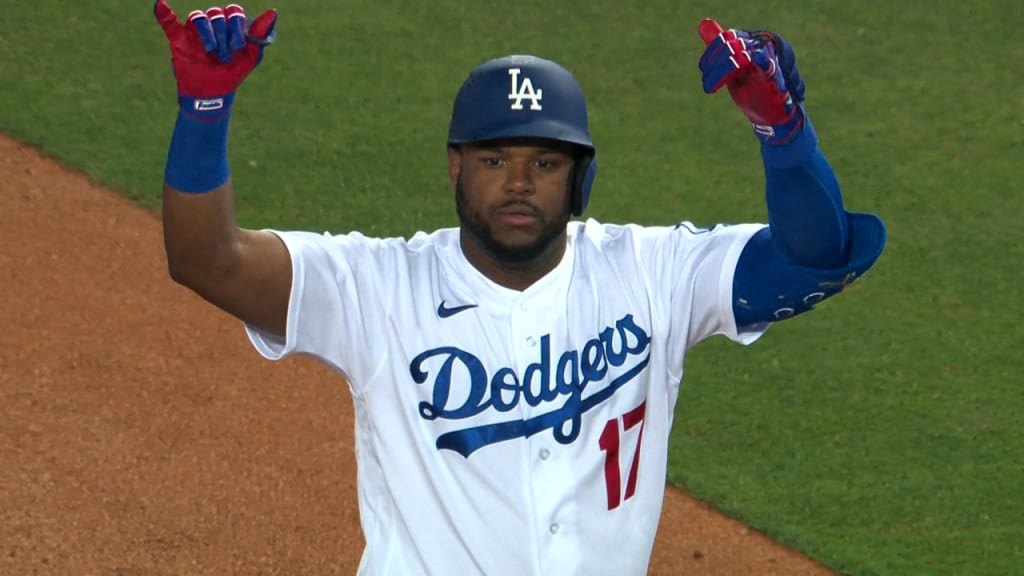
(531, 341)
(545, 454)
(554, 528)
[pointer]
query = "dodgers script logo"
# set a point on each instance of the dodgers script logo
(523, 91)
(615, 356)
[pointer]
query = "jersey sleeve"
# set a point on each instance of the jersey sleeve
(335, 308)
(691, 271)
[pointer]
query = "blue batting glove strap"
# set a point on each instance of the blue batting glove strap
(790, 144)
(197, 161)
(780, 134)
(207, 108)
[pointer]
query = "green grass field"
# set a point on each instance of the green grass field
(882, 434)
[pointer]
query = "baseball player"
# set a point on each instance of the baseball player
(513, 378)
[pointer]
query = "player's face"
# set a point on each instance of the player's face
(512, 196)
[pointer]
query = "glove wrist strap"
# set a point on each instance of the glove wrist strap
(207, 108)
(782, 132)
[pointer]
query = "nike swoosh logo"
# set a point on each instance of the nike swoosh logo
(445, 312)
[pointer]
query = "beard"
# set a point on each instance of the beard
(479, 228)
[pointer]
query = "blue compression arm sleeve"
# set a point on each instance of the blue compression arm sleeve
(812, 248)
(805, 208)
(197, 161)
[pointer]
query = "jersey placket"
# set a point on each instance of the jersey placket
(537, 324)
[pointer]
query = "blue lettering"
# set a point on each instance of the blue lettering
(474, 402)
(568, 372)
(594, 365)
(505, 379)
(626, 324)
(539, 384)
(615, 357)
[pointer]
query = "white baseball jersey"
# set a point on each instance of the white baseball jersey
(505, 432)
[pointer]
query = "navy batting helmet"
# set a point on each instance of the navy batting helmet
(525, 96)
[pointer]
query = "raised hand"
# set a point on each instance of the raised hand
(212, 53)
(759, 70)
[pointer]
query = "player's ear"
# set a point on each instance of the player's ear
(454, 164)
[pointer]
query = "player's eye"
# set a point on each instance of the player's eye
(552, 162)
(491, 161)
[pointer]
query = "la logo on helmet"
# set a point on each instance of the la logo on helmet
(523, 91)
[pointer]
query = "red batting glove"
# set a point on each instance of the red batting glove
(212, 53)
(748, 65)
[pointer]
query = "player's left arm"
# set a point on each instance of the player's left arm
(813, 247)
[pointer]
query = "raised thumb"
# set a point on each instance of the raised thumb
(261, 30)
(709, 30)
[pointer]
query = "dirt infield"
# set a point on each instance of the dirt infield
(141, 434)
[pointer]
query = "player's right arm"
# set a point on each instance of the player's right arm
(247, 273)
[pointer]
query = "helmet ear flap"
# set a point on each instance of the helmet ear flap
(583, 180)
